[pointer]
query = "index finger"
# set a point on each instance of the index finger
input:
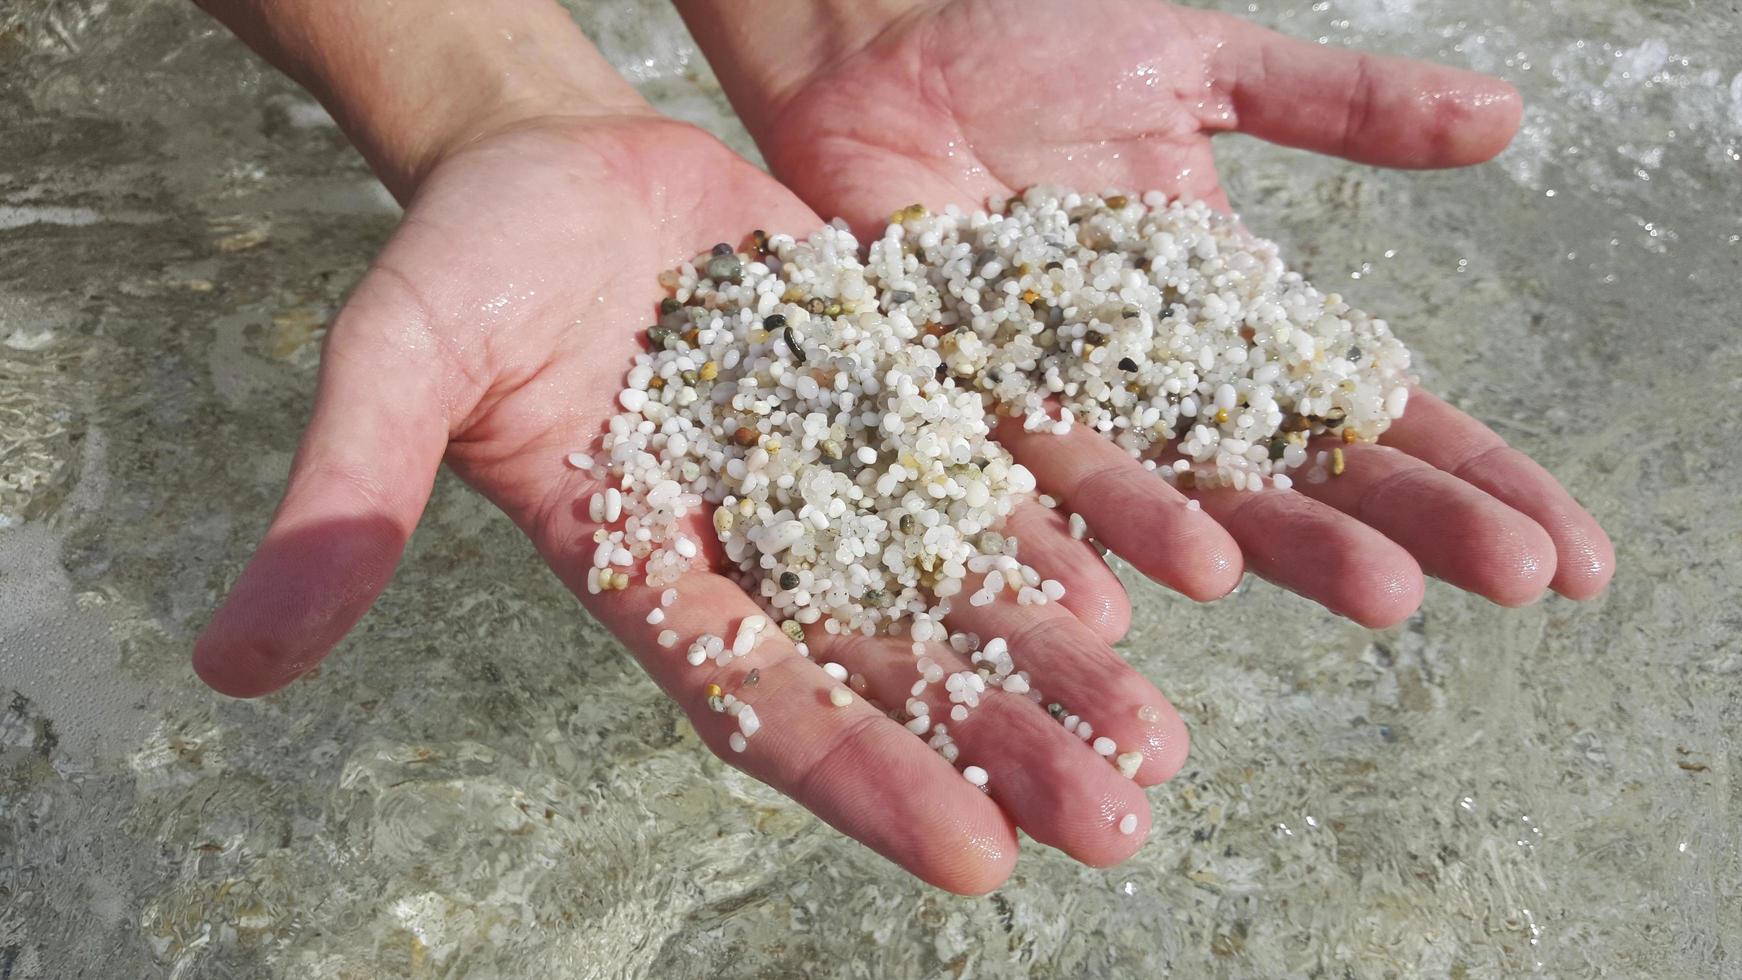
(862, 773)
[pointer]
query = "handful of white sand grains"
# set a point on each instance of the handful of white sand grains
(837, 413)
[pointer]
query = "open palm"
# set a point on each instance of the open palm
(493, 333)
(958, 102)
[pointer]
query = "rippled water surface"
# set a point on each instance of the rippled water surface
(482, 784)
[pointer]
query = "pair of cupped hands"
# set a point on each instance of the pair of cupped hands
(543, 198)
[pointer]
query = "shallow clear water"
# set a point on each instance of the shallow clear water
(482, 784)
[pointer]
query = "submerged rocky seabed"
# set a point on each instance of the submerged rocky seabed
(1480, 793)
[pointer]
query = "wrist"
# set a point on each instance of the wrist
(765, 53)
(412, 82)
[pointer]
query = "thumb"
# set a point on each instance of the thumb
(1390, 112)
(358, 484)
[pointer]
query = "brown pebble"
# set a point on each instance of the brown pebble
(745, 436)
(751, 678)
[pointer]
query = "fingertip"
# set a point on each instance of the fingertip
(1183, 547)
(1114, 845)
(1215, 565)
(976, 859)
(1092, 592)
(297, 598)
(1372, 580)
(1111, 618)
(1383, 593)
(1524, 565)
(1588, 573)
(1475, 118)
(1507, 104)
(238, 672)
(1585, 557)
(1080, 808)
(228, 655)
(1105, 611)
(1167, 744)
(1519, 598)
(213, 668)
(973, 879)
(1393, 608)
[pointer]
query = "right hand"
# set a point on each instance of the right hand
(863, 108)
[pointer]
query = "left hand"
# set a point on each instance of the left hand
(894, 102)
